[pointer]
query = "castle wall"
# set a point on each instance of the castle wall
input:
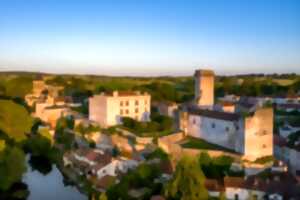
(204, 88)
(221, 132)
(259, 134)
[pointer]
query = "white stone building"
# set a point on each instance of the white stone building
(108, 108)
(249, 134)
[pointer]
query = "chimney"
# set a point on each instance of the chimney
(115, 93)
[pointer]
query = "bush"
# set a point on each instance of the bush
(264, 160)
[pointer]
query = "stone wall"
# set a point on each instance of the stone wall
(204, 88)
(225, 133)
(259, 134)
(170, 144)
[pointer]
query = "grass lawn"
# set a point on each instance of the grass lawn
(197, 143)
(147, 134)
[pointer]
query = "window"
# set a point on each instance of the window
(136, 102)
(236, 197)
(227, 129)
(121, 103)
(237, 127)
(264, 146)
(146, 102)
(213, 125)
(146, 110)
(127, 103)
(127, 111)
(194, 121)
(121, 112)
(255, 197)
(136, 110)
(264, 132)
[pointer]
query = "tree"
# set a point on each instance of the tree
(103, 196)
(2, 145)
(18, 87)
(216, 167)
(12, 166)
(187, 182)
(15, 121)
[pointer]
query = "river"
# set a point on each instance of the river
(50, 186)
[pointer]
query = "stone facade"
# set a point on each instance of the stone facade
(204, 88)
(258, 134)
(249, 134)
(108, 108)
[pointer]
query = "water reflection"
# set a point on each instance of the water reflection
(49, 185)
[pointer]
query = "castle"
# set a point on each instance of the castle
(249, 133)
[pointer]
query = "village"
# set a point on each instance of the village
(126, 131)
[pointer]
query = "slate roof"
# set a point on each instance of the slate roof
(214, 114)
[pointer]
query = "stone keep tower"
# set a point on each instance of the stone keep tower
(204, 88)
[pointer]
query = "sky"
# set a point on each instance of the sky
(150, 37)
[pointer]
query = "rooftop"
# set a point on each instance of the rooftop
(204, 72)
(214, 114)
(124, 93)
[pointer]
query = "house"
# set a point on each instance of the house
(273, 186)
(213, 187)
(108, 108)
(290, 154)
(289, 107)
(167, 108)
(120, 165)
(50, 113)
(227, 106)
(287, 130)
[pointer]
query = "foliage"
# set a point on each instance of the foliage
(65, 138)
(160, 125)
(197, 143)
(2, 145)
(17, 191)
(293, 138)
(17, 87)
(215, 168)
(187, 182)
(103, 196)
(141, 177)
(12, 166)
(64, 123)
(15, 121)
(85, 130)
(158, 153)
(264, 160)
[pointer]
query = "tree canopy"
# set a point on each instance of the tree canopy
(15, 121)
(187, 182)
(12, 166)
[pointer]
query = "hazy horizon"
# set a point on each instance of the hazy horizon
(150, 38)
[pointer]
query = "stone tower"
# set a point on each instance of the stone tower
(204, 88)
